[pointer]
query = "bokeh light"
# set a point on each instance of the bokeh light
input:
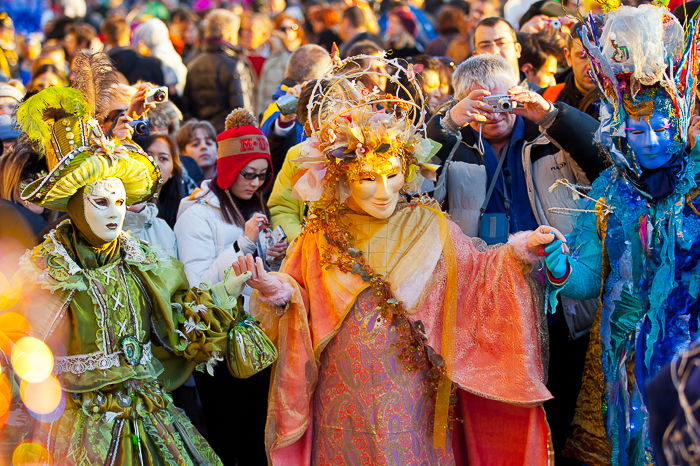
(5, 399)
(30, 453)
(53, 415)
(32, 360)
(13, 326)
(10, 291)
(43, 397)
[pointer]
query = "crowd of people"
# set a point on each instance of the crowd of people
(465, 230)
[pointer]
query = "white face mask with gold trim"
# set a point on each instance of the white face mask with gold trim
(104, 204)
(376, 190)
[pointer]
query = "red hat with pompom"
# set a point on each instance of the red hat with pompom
(240, 143)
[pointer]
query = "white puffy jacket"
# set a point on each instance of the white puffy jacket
(205, 240)
(147, 227)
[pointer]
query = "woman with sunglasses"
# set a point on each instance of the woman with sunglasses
(217, 223)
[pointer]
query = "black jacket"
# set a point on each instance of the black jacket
(218, 80)
(136, 67)
(570, 95)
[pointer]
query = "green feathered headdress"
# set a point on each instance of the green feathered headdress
(77, 151)
(32, 114)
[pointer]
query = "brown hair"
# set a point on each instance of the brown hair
(19, 164)
(281, 18)
(174, 153)
(114, 28)
(186, 132)
(235, 210)
(220, 23)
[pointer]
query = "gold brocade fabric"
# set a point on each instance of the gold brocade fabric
(385, 243)
(589, 442)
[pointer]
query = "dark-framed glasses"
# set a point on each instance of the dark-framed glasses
(252, 175)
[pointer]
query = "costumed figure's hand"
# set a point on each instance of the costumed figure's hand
(556, 259)
(543, 235)
(260, 280)
(532, 106)
(255, 224)
(471, 108)
(234, 283)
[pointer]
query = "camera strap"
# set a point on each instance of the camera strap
(494, 180)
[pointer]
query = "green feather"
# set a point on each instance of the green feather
(30, 115)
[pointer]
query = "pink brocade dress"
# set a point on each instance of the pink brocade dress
(368, 408)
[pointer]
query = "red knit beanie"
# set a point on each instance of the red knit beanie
(240, 143)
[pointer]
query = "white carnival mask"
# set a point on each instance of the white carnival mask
(104, 204)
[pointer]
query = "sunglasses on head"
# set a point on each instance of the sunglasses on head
(252, 175)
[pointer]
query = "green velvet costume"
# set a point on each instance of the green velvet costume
(132, 328)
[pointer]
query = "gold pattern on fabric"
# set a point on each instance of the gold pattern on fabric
(444, 391)
(589, 441)
(385, 243)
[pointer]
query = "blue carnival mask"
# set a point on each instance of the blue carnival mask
(651, 140)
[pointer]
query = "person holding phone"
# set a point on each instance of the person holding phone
(222, 220)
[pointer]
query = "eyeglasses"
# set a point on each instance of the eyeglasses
(252, 175)
(293, 27)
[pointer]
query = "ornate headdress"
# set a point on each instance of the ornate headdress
(62, 122)
(78, 153)
(354, 127)
(643, 60)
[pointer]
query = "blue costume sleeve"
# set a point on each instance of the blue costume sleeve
(585, 260)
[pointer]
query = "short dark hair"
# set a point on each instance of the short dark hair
(493, 21)
(186, 132)
(536, 48)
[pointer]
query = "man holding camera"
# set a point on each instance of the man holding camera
(503, 147)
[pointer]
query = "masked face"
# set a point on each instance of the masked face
(105, 206)
(650, 141)
(376, 191)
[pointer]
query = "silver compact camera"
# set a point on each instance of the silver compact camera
(500, 103)
(156, 94)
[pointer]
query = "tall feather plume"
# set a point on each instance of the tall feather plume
(31, 114)
(93, 74)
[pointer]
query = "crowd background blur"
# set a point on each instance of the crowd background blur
(208, 57)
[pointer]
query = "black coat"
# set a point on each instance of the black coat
(218, 80)
(136, 67)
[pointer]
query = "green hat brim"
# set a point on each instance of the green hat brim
(137, 170)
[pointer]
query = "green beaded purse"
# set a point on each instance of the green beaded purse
(250, 350)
